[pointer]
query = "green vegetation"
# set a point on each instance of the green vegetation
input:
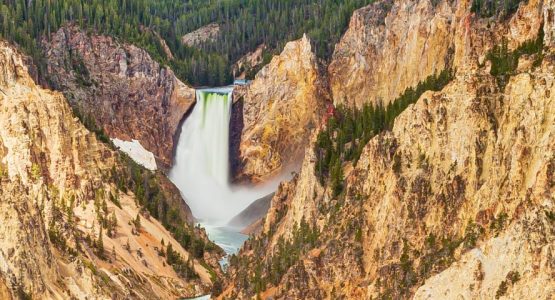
(287, 253)
(111, 225)
(107, 221)
(349, 130)
(100, 244)
(185, 269)
(504, 62)
(61, 226)
(89, 122)
(114, 198)
(498, 223)
(550, 215)
(490, 8)
(153, 200)
(245, 24)
(36, 172)
(472, 235)
(137, 223)
(415, 265)
(256, 274)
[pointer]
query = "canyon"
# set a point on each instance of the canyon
(453, 198)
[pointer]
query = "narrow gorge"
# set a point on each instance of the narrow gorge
(366, 150)
(202, 169)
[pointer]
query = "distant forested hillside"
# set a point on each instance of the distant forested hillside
(245, 24)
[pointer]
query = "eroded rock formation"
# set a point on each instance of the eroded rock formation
(120, 87)
(456, 200)
(280, 108)
(67, 230)
(204, 34)
(248, 62)
(393, 45)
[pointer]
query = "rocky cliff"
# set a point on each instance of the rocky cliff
(120, 88)
(202, 35)
(280, 108)
(68, 229)
(456, 199)
(393, 45)
(246, 65)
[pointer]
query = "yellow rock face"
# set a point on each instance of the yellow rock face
(54, 171)
(390, 46)
(457, 200)
(280, 108)
(463, 158)
(393, 45)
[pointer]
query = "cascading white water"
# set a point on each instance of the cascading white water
(209, 136)
(201, 169)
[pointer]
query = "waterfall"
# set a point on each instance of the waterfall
(208, 151)
(201, 169)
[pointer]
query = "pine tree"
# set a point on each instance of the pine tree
(127, 246)
(137, 224)
(100, 244)
(112, 224)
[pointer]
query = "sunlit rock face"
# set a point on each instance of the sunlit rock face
(120, 87)
(456, 200)
(470, 156)
(56, 189)
(281, 106)
(389, 46)
(393, 45)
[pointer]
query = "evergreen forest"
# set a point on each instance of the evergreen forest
(245, 24)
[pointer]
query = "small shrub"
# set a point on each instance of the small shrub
(513, 276)
(501, 290)
(36, 172)
(472, 234)
(550, 215)
(498, 224)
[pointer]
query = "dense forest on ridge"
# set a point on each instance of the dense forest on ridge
(245, 24)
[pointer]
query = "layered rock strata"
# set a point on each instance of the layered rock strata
(456, 200)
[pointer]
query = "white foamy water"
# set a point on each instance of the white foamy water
(201, 169)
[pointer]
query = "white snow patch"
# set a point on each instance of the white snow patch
(137, 152)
